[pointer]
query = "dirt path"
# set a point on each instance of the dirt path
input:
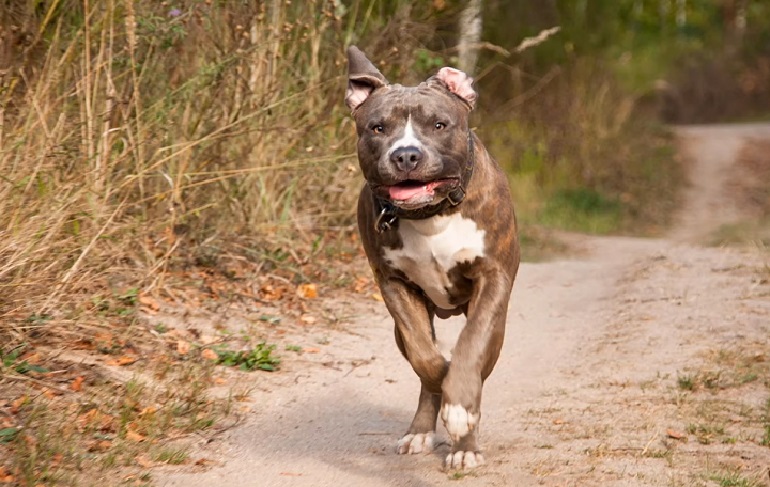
(591, 388)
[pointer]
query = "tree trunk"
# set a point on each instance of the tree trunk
(470, 36)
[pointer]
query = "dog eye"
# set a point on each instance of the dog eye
(439, 125)
(378, 129)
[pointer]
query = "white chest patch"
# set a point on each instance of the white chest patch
(432, 247)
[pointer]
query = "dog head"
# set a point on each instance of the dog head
(412, 141)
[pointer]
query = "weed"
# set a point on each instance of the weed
(766, 425)
(8, 434)
(293, 348)
(686, 382)
(171, 456)
(259, 358)
(11, 360)
(733, 479)
(581, 210)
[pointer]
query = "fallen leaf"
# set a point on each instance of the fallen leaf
(77, 384)
(132, 435)
(148, 410)
(149, 311)
(144, 461)
(183, 347)
(49, 394)
(18, 403)
(307, 319)
(209, 354)
(150, 302)
(56, 460)
(220, 380)
(677, 435)
(100, 446)
(558, 421)
(307, 291)
(311, 349)
(377, 297)
(122, 360)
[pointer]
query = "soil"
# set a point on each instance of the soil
(636, 362)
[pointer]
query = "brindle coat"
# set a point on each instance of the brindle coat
(480, 286)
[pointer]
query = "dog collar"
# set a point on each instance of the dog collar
(387, 214)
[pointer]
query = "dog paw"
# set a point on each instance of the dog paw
(458, 421)
(419, 443)
(463, 460)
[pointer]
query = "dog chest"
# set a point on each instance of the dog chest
(431, 248)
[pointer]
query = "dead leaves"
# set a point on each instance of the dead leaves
(6, 477)
(307, 291)
(123, 360)
(148, 304)
(676, 435)
(183, 347)
(209, 354)
(77, 384)
(132, 435)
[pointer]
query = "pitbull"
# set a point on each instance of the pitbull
(439, 231)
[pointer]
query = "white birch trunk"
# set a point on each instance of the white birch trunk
(470, 36)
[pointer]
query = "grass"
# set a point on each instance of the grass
(581, 210)
(258, 358)
(765, 441)
(587, 163)
(68, 439)
(171, 456)
(734, 479)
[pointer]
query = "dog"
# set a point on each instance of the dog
(438, 227)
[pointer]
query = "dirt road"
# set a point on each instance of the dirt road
(630, 365)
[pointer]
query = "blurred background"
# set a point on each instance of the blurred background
(140, 135)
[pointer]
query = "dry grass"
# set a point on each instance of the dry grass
(128, 126)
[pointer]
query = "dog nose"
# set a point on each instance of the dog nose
(406, 158)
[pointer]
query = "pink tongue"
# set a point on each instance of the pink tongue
(403, 193)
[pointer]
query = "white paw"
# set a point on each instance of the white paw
(458, 421)
(419, 443)
(463, 460)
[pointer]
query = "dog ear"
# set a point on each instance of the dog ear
(363, 78)
(458, 83)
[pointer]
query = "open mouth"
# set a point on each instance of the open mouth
(413, 192)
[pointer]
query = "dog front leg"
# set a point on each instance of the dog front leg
(414, 333)
(415, 339)
(473, 359)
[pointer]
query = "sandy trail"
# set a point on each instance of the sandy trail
(585, 388)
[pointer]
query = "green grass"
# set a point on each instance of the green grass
(582, 210)
(686, 382)
(258, 358)
(171, 456)
(747, 232)
(733, 479)
(765, 441)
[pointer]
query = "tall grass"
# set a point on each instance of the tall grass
(581, 154)
(127, 124)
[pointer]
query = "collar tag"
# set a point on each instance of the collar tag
(385, 220)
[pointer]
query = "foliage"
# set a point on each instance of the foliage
(259, 358)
